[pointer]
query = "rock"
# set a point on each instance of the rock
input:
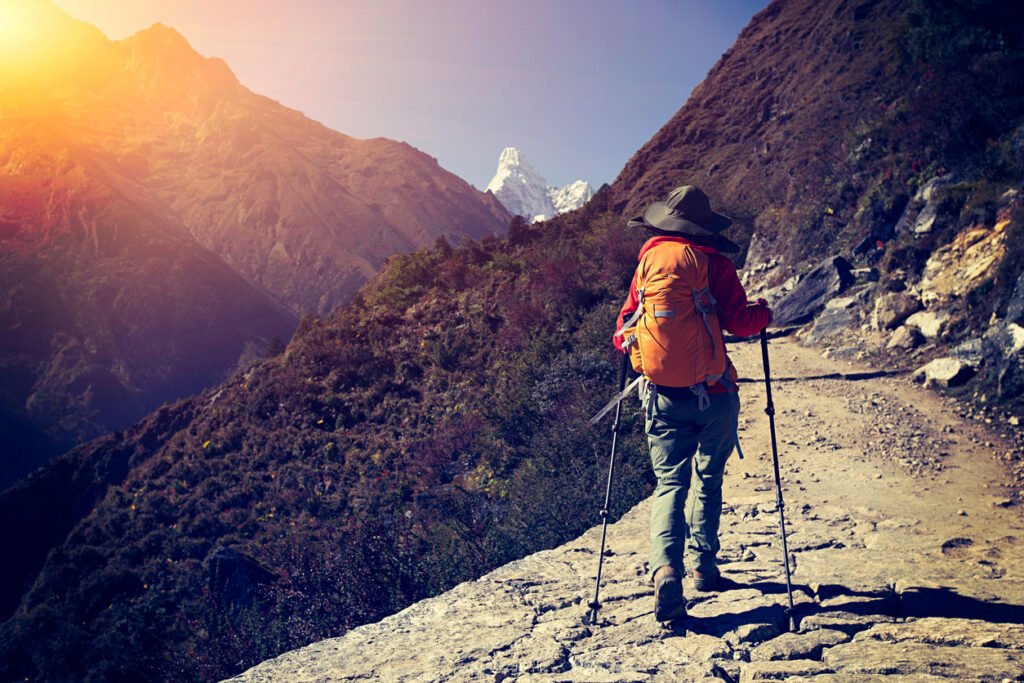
(971, 352)
(926, 219)
(847, 622)
(840, 315)
(966, 263)
(1015, 307)
(806, 645)
(1003, 345)
(930, 323)
(921, 212)
(831, 322)
(945, 372)
(812, 291)
(949, 632)
(235, 577)
(752, 633)
(904, 339)
(893, 308)
(775, 671)
(959, 663)
(868, 678)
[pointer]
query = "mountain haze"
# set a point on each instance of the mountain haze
(158, 219)
(437, 426)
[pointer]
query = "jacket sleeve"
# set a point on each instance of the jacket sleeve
(736, 315)
(632, 301)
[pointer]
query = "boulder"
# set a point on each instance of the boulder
(812, 291)
(1003, 346)
(904, 339)
(893, 308)
(840, 315)
(930, 323)
(945, 372)
(921, 212)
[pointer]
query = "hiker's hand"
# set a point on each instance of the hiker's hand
(764, 304)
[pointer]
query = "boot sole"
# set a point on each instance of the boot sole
(669, 604)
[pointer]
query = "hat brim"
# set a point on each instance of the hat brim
(662, 217)
(718, 242)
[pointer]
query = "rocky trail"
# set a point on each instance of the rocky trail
(906, 548)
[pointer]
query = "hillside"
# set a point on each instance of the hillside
(947, 606)
(887, 132)
(109, 307)
(158, 220)
(436, 428)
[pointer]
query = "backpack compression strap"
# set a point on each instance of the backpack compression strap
(636, 314)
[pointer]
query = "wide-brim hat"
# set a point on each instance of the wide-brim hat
(687, 213)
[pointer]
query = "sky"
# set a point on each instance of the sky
(577, 85)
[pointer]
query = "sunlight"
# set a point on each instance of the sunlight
(39, 41)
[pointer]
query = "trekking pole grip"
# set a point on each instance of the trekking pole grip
(623, 369)
(770, 409)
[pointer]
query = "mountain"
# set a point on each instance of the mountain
(301, 210)
(157, 219)
(437, 427)
(524, 192)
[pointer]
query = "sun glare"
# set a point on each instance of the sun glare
(20, 24)
(36, 41)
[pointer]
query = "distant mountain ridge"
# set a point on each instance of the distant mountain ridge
(158, 219)
(524, 192)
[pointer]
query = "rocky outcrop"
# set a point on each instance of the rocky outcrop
(811, 291)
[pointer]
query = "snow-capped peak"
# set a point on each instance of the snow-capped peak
(523, 191)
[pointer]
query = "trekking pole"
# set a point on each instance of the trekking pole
(770, 412)
(595, 604)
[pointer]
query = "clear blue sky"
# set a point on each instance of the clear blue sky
(577, 85)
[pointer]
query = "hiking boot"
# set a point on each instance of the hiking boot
(669, 604)
(707, 581)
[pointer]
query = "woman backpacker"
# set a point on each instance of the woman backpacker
(684, 292)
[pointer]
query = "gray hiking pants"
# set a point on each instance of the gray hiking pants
(689, 449)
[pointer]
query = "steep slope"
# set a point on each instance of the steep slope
(119, 163)
(888, 132)
(109, 306)
(304, 211)
(818, 122)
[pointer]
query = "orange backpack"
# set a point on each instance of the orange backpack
(674, 337)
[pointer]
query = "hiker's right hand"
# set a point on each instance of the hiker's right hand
(764, 304)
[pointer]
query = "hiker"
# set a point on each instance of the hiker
(683, 293)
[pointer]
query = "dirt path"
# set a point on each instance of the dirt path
(908, 562)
